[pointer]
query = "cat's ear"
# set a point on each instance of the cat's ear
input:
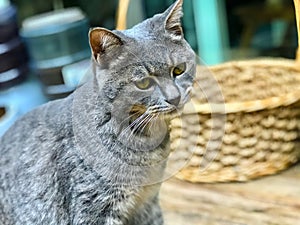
(173, 24)
(103, 42)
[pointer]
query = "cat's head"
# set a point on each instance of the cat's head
(149, 68)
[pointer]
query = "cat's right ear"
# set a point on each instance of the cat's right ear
(103, 42)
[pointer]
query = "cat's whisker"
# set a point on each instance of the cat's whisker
(163, 109)
(156, 116)
(136, 122)
(128, 133)
(124, 131)
(148, 121)
(126, 120)
(143, 122)
(139, 129)
(132, 126)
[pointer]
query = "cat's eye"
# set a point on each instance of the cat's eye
(145, 83)
(179, 70)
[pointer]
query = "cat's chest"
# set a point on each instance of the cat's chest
(139, 199)
(147, 193)
(99, 193)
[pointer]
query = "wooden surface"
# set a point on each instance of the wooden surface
(274, 200)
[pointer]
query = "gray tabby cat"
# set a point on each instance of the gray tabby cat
(98, 156)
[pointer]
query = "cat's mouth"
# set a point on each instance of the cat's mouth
(139, 110)
(142, 118)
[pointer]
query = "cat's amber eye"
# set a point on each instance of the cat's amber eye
(145, 83)
(179, 70)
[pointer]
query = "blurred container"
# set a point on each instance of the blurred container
(12, 54)
(8, 23)
(77, 73)
(13, 76)
(18, 100)
(8, 115)
(13, 63)
(56, 38)
(51, 76)
(57, 91)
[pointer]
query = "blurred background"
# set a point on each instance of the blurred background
(44, 48)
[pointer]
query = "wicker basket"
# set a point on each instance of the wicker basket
(260, 131)
(255, 132)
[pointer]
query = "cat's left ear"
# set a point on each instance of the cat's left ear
(173, 21)
(104, 44)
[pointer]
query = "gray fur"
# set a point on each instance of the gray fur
(81, 160)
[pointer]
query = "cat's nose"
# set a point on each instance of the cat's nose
(174, 101)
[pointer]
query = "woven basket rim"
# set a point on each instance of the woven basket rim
(253, 105)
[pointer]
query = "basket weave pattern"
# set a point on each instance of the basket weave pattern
(261, 129)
